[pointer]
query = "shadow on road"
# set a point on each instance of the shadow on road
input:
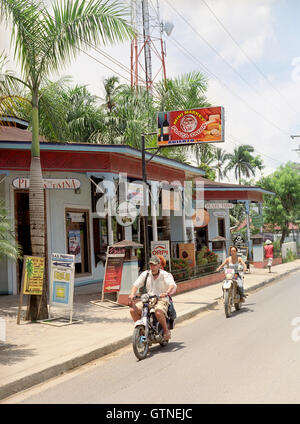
(170, 347)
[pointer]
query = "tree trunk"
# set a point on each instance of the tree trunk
(284, 233)
(37, 304)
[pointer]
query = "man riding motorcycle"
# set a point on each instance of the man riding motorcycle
(233, 262)
(160, 283)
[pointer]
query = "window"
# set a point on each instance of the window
(78, 239)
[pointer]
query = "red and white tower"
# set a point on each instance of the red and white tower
(147, 48)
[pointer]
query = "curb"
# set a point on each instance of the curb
(56, 370)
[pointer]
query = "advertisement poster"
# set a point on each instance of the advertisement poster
(113, 270)
(187, 252)
(33, 275)
(62, 280)
(74, 245)
(204, 125)
(135, 193)
(161, 248)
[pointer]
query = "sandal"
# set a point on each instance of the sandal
(167, 336)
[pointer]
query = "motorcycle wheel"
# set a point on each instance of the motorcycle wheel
(140, 347)
(227, 303)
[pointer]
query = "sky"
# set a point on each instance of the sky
(249, 51)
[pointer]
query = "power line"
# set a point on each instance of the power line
(248, 57)
(222, 82)
(227, 87)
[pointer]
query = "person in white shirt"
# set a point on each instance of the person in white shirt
(160, 283)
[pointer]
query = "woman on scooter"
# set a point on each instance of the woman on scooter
(233, 261)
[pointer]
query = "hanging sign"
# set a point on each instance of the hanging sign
(192, 126)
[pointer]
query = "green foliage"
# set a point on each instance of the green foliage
(205, 256)
(284, 206)
(8, 246)
(243, 162)
(290, 256)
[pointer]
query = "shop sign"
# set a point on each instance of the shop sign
(161, 248)
(219, 205)
(49, 183)
(192, 126)
(220, 214)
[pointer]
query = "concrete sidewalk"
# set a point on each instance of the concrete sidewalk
(35, 352)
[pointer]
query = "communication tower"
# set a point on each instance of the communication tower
(148, 49)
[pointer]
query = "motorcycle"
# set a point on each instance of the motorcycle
(148, 330)
(231, 294)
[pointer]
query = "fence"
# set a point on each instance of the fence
(188, 273)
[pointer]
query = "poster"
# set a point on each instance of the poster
(135, 194)
(113, 270)
(187, 252)
(33, 275)
(74, 245)
(192, 126)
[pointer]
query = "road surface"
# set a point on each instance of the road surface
(251, 357)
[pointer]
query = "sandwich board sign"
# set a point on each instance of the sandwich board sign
(61, 287)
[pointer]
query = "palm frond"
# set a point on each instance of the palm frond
(79, 25)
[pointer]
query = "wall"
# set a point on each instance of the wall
(288, 246)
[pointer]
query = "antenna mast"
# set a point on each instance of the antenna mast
(147, 44)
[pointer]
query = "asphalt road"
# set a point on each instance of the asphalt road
(252, 357)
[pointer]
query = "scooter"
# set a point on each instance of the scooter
(148, 330)
(231, 294)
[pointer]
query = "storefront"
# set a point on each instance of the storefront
(76, 177)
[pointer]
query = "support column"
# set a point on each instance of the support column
(109, 223)
(154, 207)
(247, 207)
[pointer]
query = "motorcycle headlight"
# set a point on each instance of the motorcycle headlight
(145, 298)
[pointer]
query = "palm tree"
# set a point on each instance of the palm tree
(44, 43)
(220, 156)
(8, 246)
(241, 162)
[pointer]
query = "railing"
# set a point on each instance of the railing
(187, 273)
